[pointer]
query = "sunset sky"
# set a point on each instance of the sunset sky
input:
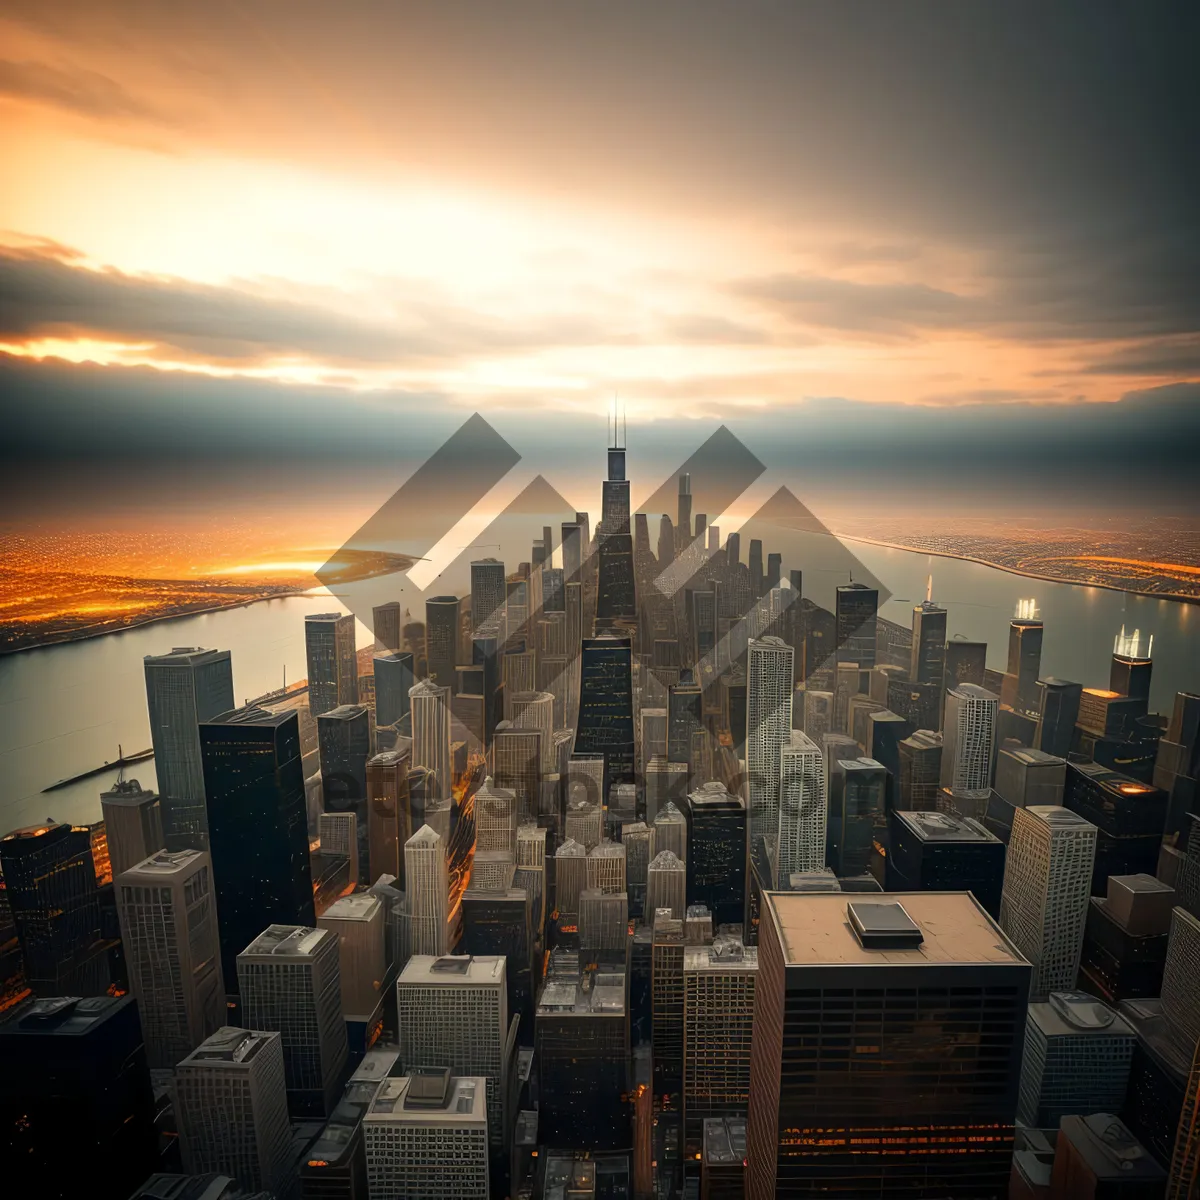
(301, 222)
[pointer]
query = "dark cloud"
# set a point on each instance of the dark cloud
(1170, 358)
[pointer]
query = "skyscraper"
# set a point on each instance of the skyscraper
(535, 711)
(1025, 776)
(50, 881)
(344, 742)
(928, 663)
(426, 1134)
(937, 852)
(966, 662)
(289, 981)
(183, 689)
(166, 906)
(393, 681)
(716, 852)
(1025, 663)
(666, 884)
(431, 734)
(670, 830)
(517, 761)
(570, 875)
(441, 639)
(969, 740)
(358, 923)
(488, 590)
(666, 998)
(258, 830)
(1057, 712)
(386, 620)
(231, 1109)
(857, 816)
(389, 814)
(858, 1113)
(920, 771)
(133, 823)
(685, 715)
(803, 806)
(768, 728)
(76, 1103)
(606, 705)
(329, 640)
(427, 886)
(453, 1011)
(857, 611)
(1047, 881)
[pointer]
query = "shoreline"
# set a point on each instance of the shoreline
(1174, 597)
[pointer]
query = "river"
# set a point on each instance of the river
(64, 709)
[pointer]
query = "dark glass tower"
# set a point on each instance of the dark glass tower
(1025, 663)
(685, 716)
(76, 1105)
(928, 644)
(254, 780)
(441, 639)
(386, 620)
(616, 599)
(716, 853)
(344, 738)
(606, 705)
(966, 662)
(857, 611)
(937, 852)
(393, 681)
(332, 664)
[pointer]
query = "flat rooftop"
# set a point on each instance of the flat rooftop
(453, 969)
(228, 1047)
(362, 906)
(296, 941)
(466, 1104)
(942, 827)
(815, 930)
(164, 862)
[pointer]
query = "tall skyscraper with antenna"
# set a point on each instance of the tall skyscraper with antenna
(616, 599)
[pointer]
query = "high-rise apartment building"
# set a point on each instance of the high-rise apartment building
(168, 915)
(768, 728)
(584, 822)
(1077, 1056)
(133, 823)
(969, 740)
(453, 1010)
(427, 886)
(856, 1114)
(289, 982)
(1044, 903)
(426, 1134)
(803, 806)
(329, 640)
(431, 734)
(183, 689)
(76, 1103)
(718, 1010)
(231, 1110)
(258, 827)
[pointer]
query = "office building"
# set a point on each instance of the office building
(1184, 1178)
(426, 1134)
(666, 883)
(803, 806)
(172, 954)
(969, 740)
(966, 662)
(1098, 1156)
(358, 923)
(937, 852)
(1024, 664)
(254, 781)
(718, 1009)
(685, 715)
(495, 818)
(857, 829)
(723, 1159)
(1125, 940)
(133, 823)
(231, 1110)
(1181, 978)
(603, 920)
(1044, 903)
(715, 825)
(184, 689)
(928, 663)
(582, 1049)
(584, 822)
(920, 773)
(76, 1103)
(344, 742)
(1129, 817)
(431, 734)
(606, 705)
(453, 1010)
(606, 867)
(534, 712)
(517, 764)
(394, 679)
(638, 839)
(1057, 714)
(768, 728)
(50, 884)
(855, 1115)
(670, 831)
(666, 784)
(289, 982)
(427, 887)
(857, 607)
(386, 622)
(389, 814)
(1026, 776)
(499, 922)
(570, 875)
(488, 590)
(666, 1000)
(1077, 1057)
(329, 640)
(441, 640)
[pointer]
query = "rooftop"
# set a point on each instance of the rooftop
(972, 691)
(1057, 817)
(299, 941)
(361, 906)
(1033, 757)
(228, 1047)
(942, 827)
(251, 714)
(1073, 1014)
(63, 1015)
(453, 970)
(463, 1105)
(165, 862)
(343, 712)
(815, 930)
